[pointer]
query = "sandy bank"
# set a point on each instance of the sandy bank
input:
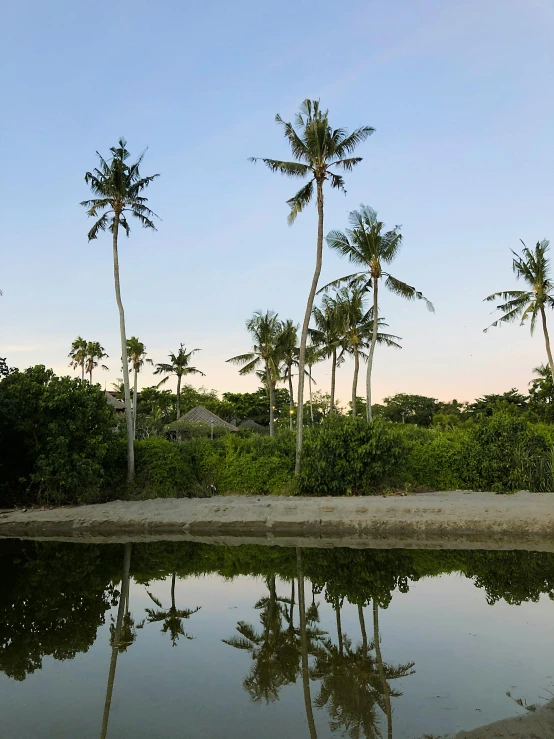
(430, 520)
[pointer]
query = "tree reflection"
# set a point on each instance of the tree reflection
(172, 618)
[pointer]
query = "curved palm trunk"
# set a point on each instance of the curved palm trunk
(173, 592)
(363, 629)
(355, 380)
(311, 399)
(123, 601)
(547, 340)
(333, 379)
(83, 372)
(304, 334)
(178, 397)
(124, 358)
(135, 390)
(291, 400)
(381, 668)
(371, 351)
(271, 393)
(90, 375)
(304, 646)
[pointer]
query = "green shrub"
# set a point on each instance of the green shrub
(505, 453)
(55, 435)
(432, 458)
(347, 455)
(165, 469)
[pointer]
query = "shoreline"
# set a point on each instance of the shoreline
(445, 520)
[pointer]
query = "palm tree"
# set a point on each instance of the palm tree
(136, 352)
(178, 365)
(95, 353)
(78, 355)
(265, 329)
(288, 341)
(304, 645)
(116, 639)
(313, 356)
(367, 245)
(317, 150)
(358, 327)
(327, 336)
(533, 267)
(172, 617)
(117, 187)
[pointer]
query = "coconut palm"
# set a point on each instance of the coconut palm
(118, 187)
(317, 149)
(533, 267)
(265, 329)
(178, 365)
(367, 245)
(359, 329)
(288, 340)
(327, 336)
(172, 617)
(136, 352)
(313, 356)
(95, 353)
(78, 355)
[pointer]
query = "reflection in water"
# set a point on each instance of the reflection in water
(55, 597)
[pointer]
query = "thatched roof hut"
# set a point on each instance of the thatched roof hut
(257, 428)
(200, 422)
(117, 404)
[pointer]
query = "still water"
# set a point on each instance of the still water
(182, 640)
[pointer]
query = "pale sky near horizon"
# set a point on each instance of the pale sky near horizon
(460, 95)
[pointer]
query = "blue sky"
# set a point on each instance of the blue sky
(460, 95)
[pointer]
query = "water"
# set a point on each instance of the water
(215, 641)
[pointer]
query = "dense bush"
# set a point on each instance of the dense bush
(246, 464)
(165, 469)
(431, 459)
(346, 455)
(55, 435)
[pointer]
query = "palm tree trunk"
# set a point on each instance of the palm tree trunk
(381, 668)
(333, 379)
(311, 400)
(83, 372)
(363, 629)
(271, 393)
(304, 334)
(547, 340)
(372, 351)
(123, 600)
(291, 400)
(173, 591)
(178, 397)
(355, 379)
(304, 646)
(337, 607)
(135, 390)
(90, 375)
(292, 603)
(124, 359)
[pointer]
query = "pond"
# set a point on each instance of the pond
(178, 639)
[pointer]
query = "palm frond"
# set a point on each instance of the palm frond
(291, 169)
(299, 201)
(406, 291)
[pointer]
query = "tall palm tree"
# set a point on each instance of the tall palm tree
(327, 335)
(288, 341)
(117, 187)
(78, 355)
(265, 329)
(533, 267)
(367, 245)
(358, 327)
(317, 150)
(172, 617)
(95, 353)
(136, 352)
(116, 639)
(178, 365)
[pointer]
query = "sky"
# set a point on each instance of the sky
(460, 95)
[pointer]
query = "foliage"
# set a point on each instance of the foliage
(165, 469)
(254, 406)
(416, 409)
(541, 395)
(511, 401)
(348, 455)
(55, 435)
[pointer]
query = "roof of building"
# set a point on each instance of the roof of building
(203, 415)
(116, 403)
(254, 426)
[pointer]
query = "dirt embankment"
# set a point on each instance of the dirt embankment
(433, 520)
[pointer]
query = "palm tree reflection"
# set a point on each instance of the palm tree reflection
(172, 618)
